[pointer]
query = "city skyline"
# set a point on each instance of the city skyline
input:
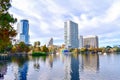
(47, 18)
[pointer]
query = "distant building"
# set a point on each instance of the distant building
(50, 42)
(90, 42)
(23, 31)
(80, 41)
(71, 34)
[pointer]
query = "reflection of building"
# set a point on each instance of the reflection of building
(23, 71)
(67, 60)
(90, 62)
(80, 41)
(23, 31)
(91, 42)
(71, 65)
(74, 68)
(71, 34)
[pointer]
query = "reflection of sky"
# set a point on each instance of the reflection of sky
(12, 71)
(3, 70)
(45, 72)
(68, 67)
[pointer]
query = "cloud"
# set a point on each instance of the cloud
(46, 18)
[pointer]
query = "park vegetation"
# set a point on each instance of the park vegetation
(7, 32)
(107, 49)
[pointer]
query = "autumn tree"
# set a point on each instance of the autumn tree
(7, 32)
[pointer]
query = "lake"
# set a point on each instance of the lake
(62, 67)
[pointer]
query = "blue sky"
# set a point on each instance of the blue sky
(46, 18)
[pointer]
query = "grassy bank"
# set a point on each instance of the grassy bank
(39, 53)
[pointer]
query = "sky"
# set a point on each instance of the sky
(47, 17)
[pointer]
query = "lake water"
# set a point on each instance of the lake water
(62, 67)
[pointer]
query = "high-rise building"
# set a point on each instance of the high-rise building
(50, 42)
(80, 41)
(90, 42)
(23, 31)
(71, 34)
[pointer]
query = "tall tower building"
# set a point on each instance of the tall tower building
(80, 41)
(50, 42)
(91, 42)
(71, 34)
(23, 31)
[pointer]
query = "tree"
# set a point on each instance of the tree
(44, 49)
(7, 32)
(37, 44)
(22, 47)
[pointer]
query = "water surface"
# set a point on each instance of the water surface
(62, 67)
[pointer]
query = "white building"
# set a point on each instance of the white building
(71, 34)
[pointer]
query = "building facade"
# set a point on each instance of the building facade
(23, 31)
(71, 34)
(80, 41)
(50, 42)
(90, 42)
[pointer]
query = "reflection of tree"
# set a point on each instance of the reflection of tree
(3, 70)
(43, 58)
(20, 60)
(51, 60)
(36, 63)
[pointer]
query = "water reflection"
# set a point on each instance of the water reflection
(90, 62)
(22, 72)
(50, 60)
(67, 66)
(3, 70)
(62, 67)
(74, 67)
(22, 63)
(71, 67)
(36, 63)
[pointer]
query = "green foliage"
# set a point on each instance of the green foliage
(5, 5)
(44, 49)
(39, 53)
(116, 48)
(71, 50)
(22, 47)
(37, 44)
(83, 49)
(7, 32)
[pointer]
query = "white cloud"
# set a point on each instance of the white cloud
(113, 13)
(46, 17)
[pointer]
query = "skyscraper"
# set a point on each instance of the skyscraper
(71, 34)
(23, 31)
(91, 42)
(80, 41)
(50, 42)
